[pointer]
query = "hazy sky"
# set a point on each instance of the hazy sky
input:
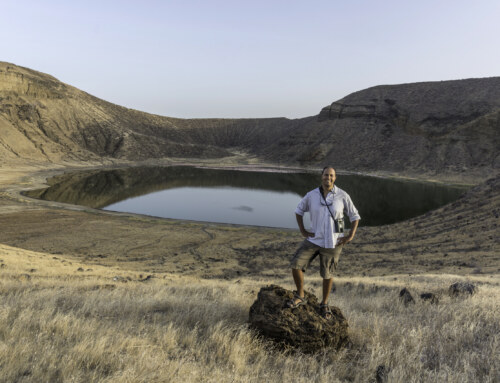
(272, 58)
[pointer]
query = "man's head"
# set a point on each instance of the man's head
(328, 177)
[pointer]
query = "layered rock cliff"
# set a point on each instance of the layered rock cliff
(433, 126)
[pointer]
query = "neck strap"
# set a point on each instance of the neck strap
(321, 190)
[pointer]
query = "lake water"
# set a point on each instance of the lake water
(239, 197)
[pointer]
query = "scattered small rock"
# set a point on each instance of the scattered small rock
(24, 277)
(347, 285)
(303, 327)
(381, 374)
(462, 289)
(80, 269)
(375, 289)
(405, 297)
(430, 297)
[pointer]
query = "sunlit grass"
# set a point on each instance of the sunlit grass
(61, 324)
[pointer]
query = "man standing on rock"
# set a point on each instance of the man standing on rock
(326, 206)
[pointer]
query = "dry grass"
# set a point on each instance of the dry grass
(58, 324)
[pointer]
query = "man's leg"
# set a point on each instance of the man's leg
(329, 259)
(301, 260)
(327, 287)
(298, 277)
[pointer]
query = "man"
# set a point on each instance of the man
(326, 206)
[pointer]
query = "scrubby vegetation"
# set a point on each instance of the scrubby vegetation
(61, 322)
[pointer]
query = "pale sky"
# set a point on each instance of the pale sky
(221, 58)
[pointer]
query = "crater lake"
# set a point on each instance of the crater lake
(259, 198)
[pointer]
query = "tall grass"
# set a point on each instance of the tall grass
(89, 328)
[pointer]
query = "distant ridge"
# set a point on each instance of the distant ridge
(447, 127)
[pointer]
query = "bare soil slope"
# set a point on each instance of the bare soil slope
(43, 119)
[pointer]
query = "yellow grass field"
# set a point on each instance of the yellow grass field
(64, 321)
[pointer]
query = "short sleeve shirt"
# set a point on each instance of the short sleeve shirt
(322, 225)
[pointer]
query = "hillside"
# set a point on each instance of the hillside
(450, 128)
(440, 126)
(45, 120)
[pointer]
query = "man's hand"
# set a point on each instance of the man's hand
(344, 240)
(349, 238)
(306, 234)
(302, 229)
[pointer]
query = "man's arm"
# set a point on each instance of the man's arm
(303, 231)
(349, 238)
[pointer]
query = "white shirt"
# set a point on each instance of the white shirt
(321, 221)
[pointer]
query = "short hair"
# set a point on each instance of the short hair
(328, 167)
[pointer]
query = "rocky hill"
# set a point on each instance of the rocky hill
(449, 127)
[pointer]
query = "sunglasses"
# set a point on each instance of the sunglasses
(325, 203)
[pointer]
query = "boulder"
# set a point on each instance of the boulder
(303, 327)
(405, 297)
(430, 297)
(462, 289)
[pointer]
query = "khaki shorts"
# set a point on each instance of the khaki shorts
(328, 258)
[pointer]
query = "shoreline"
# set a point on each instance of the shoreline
(439, 241)
(54, 169)
(81, 205)
(39, 179)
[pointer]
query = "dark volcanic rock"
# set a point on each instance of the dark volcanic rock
(405, 297)
(461, 289)
(381, 374)
(429, 297)
(303, 328)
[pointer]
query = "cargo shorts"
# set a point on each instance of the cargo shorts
(328, 258)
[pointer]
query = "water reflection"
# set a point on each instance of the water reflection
(380, 201)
